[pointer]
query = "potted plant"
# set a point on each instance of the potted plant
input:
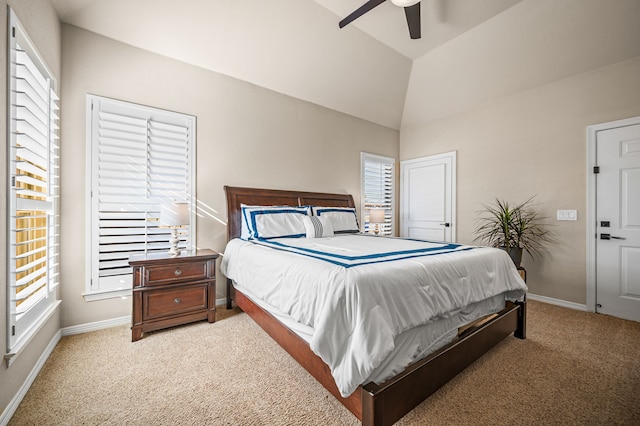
(513, 229)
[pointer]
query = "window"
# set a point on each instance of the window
(32, 214)
(140, 158)
(378, 191)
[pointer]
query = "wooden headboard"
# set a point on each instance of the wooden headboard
(275, 197)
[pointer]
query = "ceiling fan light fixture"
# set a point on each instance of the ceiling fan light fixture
(405, 3)
(411, 11)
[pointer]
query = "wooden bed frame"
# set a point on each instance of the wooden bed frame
(373, 404)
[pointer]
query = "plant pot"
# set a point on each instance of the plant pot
(515, 253)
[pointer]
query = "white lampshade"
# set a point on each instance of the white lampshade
(174, 214)
(376, 216)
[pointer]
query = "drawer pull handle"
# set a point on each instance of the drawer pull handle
(176, 300)
(178, 272)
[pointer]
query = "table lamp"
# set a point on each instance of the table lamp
(377, 216)
(174, 215)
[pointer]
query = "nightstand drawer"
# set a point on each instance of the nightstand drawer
(158, 275)
(163, 303)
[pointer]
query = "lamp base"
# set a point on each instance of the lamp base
(174, 250)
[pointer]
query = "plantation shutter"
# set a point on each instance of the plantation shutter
(378, 189)
(142, 158)
(33, 224)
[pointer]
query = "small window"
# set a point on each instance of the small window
(378, 193)
(141, 159)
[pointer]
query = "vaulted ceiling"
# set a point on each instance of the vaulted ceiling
(442, 20)
(291, 46)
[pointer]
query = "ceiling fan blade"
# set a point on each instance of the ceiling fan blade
(360, 11)
(413, 20)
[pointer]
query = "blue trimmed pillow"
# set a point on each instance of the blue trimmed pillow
(343, 219)
(318, 227)
(263, 222)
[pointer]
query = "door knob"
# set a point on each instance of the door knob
(610, 237)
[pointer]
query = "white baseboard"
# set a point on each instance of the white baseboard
(114, 322)
(559, 302)
(17, 399)
(98, 325)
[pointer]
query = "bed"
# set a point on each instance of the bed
(374, 403)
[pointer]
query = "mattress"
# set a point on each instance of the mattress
(369, 306)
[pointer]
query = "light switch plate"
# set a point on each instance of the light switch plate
(567, 215)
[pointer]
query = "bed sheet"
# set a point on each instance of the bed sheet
(410, 345)
(358, 293)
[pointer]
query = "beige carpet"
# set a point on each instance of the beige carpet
(574, 368)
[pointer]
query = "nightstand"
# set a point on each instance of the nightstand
(523, 273)
(169, 291)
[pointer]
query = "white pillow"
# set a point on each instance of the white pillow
(343, 219)
(262, 222)
(318, 227)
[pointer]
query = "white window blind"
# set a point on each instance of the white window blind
(33, 179)
(378, 191)
(141, 158)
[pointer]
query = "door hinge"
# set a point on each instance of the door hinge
(13, 330)
(596, 169)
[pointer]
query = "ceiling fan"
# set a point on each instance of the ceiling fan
(411, 11)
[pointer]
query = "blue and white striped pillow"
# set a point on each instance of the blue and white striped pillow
(318, 227)
(343, 219)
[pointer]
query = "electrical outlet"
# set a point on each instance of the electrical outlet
(567, 215)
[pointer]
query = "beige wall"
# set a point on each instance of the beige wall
(43, 27)
(514, 97)
(533, 143)
(247, 136)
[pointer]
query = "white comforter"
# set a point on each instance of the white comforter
(359, 292)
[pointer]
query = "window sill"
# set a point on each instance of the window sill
(10, 357)
(108, 294)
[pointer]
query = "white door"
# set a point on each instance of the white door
(428, 197)
(618, 222)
